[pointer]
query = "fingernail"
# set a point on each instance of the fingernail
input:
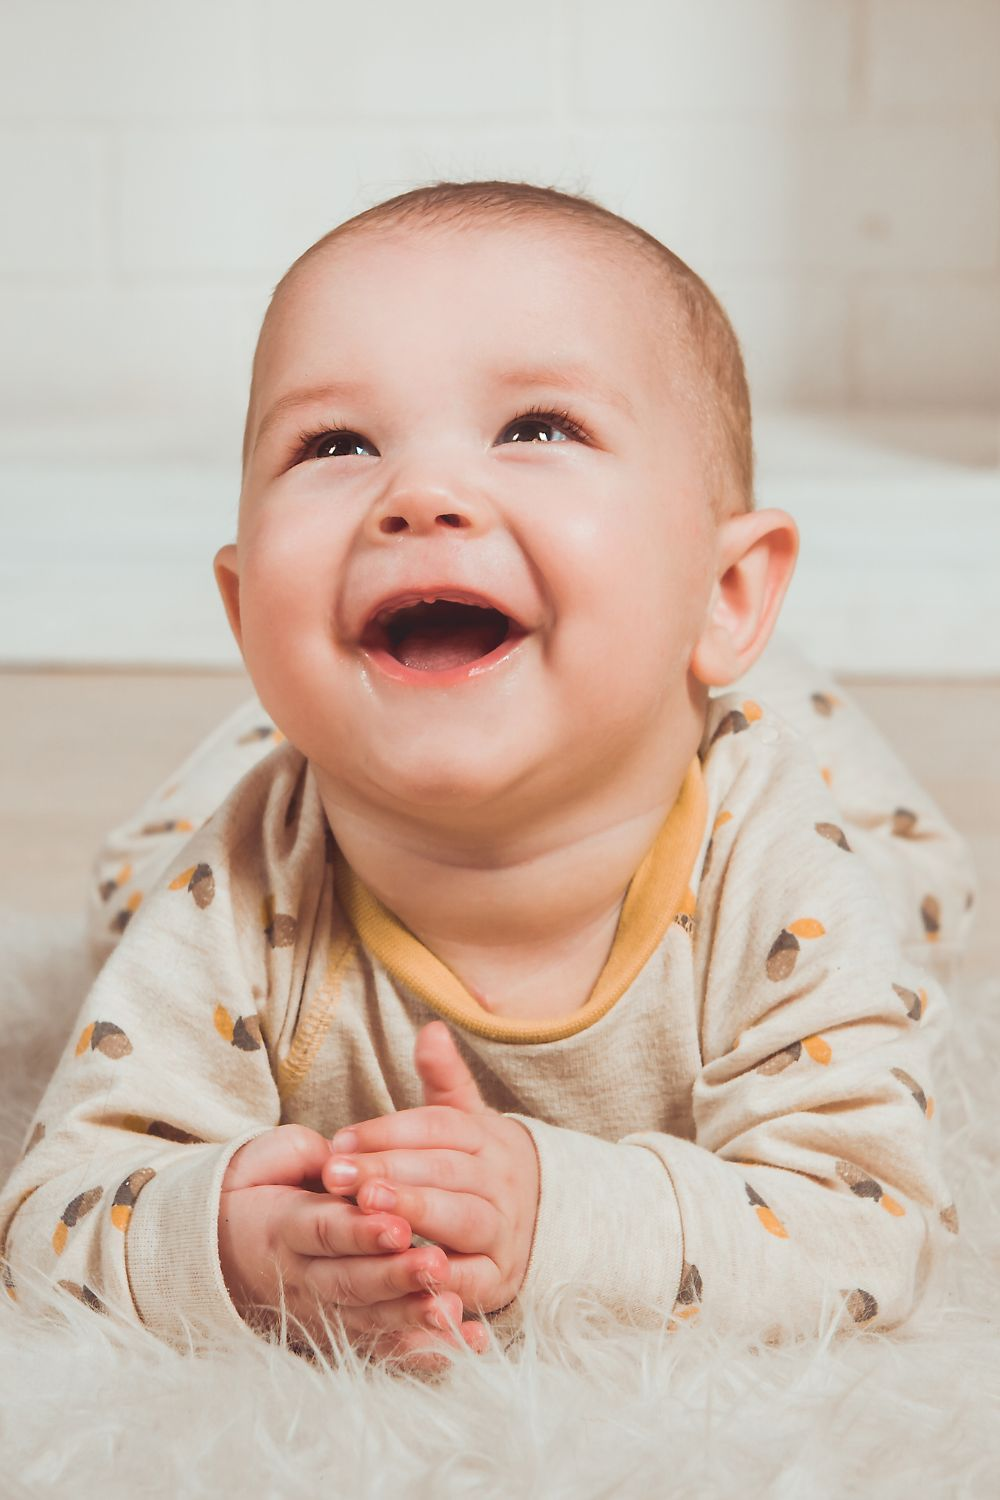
(388, 1240)
(381, 1197)
(342, 1172)
(345, 1141)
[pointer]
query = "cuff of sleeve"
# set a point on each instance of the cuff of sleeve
(172, 1248)
(607, 1220)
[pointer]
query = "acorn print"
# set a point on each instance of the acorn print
(685, 912)
(107, 888)
(279, 930)
(767, 1216)
(861, 1305)
(930, 915)
(826, 774)
(824, 703)
(84, 1294)
(914, 1002)
(128, 1192)
(834, 834)
(720, 822)
(143, 1126)
(169, 825)
(926, 1105)
(36, 1135)
(74, 1211)
(8, 1280)
(260, 732)
(949, 1218)
(735, 721)
(816, 1047)
(785, 948)
(866, 1187)
(121, 919)
(689, 1294)
(167, 1132)
(200, 881)
(904, 821)
(243, 1033)
(106, 1037)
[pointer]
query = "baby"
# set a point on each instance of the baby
(572, 962)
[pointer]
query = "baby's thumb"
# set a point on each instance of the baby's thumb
(443, 1071)
(287, 1155)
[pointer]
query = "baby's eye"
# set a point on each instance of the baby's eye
(337, 442)
(536, 421)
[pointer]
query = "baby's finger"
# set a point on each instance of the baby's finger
(365, 1280)
(428, 1125)
(462, 1221)
(474, 1278)
(458, 1171)
(440, 1311)
(417, 1348)
(287, 1155)
(312, 1224)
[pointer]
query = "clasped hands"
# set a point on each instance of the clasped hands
(460, 1174)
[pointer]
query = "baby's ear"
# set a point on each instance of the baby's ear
(755, 559)
(227, 576)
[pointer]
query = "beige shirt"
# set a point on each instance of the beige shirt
(738, 1126)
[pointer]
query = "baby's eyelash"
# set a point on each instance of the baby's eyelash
(563, 419)
(557, 418)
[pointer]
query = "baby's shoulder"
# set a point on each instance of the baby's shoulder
(266, 838)
(754, 759)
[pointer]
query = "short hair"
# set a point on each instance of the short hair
(714, 378)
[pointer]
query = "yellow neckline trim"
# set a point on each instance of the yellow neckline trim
(653, 899)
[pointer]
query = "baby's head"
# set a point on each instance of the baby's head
(510, 398)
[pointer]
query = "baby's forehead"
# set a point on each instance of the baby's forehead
(597, 259)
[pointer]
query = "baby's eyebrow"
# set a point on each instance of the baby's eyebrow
(569, 377)
(341, 390)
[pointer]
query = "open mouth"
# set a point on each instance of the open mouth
(432, 637)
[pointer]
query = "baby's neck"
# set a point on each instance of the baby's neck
(529, 931)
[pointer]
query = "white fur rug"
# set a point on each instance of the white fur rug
(580, 1407)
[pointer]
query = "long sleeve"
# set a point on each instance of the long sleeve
(166, 1074)
(133, 855)
(813, 1179)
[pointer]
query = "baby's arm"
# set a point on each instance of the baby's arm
(157, 1182)
(165, 1076)
(813, 1179)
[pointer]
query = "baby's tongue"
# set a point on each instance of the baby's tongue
(432, 646)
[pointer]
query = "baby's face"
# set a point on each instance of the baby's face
(589, 534)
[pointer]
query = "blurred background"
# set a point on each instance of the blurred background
(831, 167)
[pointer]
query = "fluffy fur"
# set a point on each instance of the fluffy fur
(581, 1406)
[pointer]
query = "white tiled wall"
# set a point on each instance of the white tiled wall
(831, 166)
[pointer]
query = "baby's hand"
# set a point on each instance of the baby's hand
(461, 1174)
(278, 1233)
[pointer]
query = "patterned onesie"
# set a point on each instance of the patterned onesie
(737, 1126)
